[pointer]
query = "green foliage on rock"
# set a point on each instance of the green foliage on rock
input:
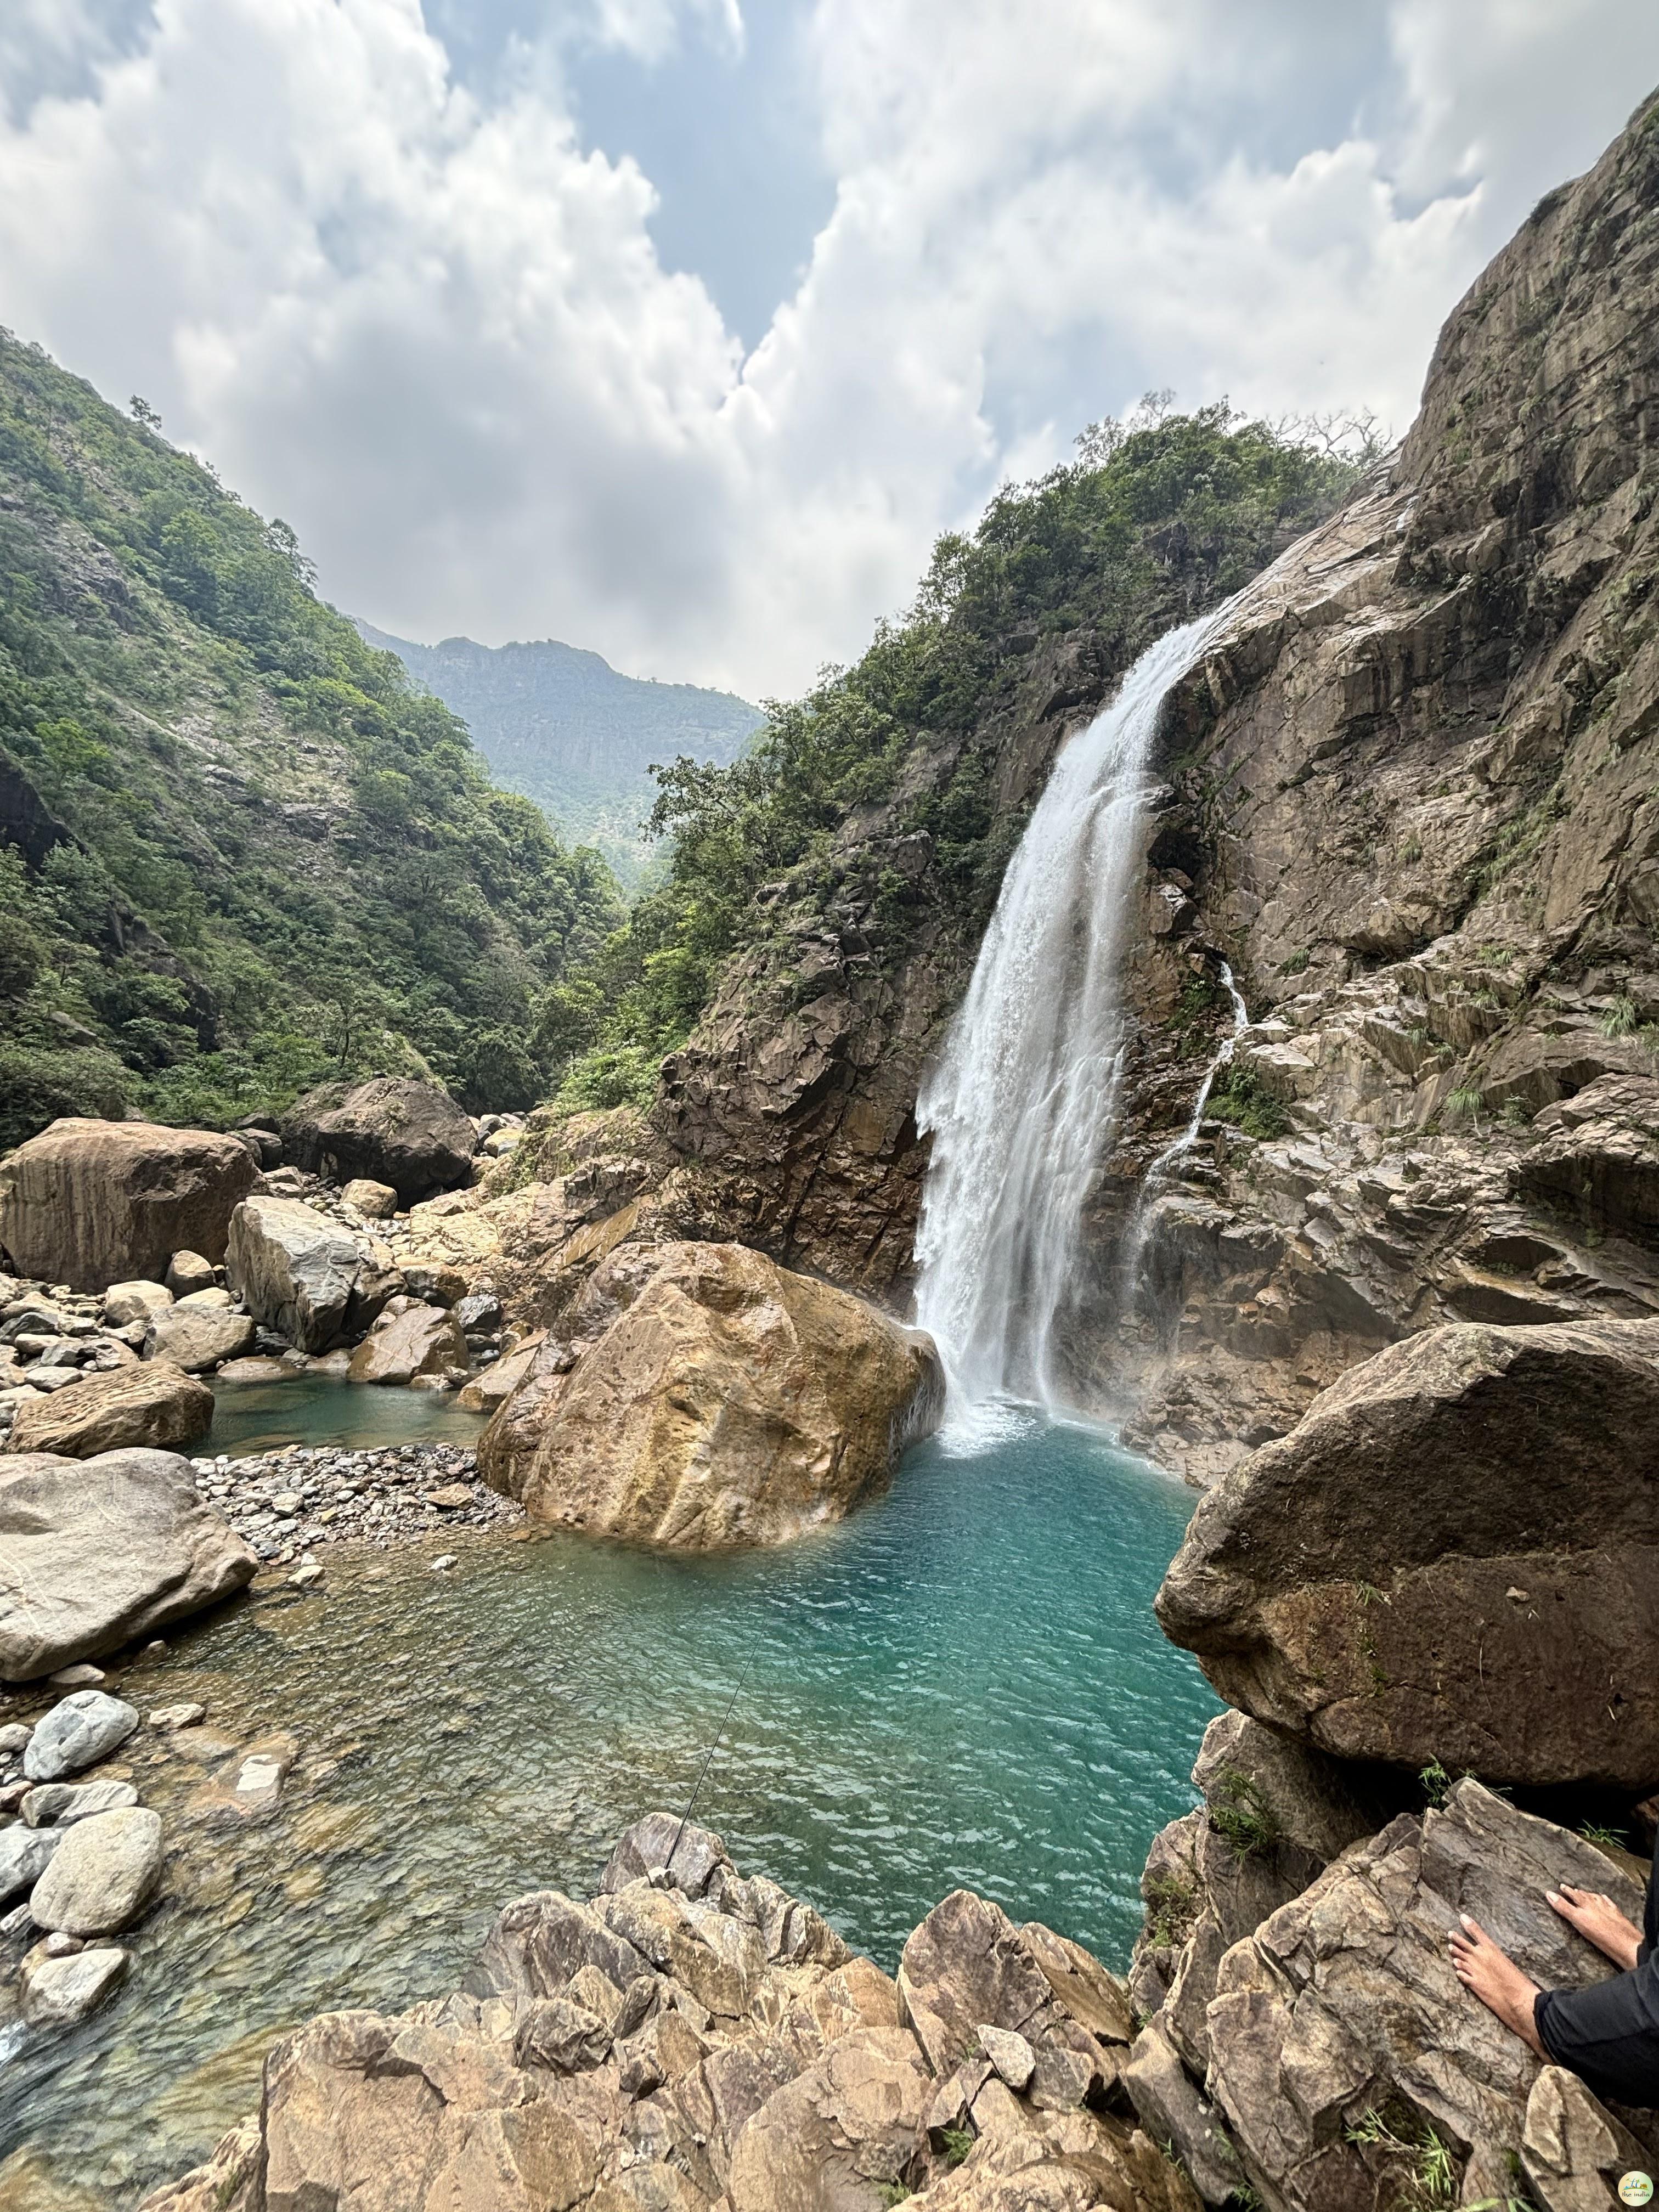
(1158, 519)
(1243, 1099)
(240, 852)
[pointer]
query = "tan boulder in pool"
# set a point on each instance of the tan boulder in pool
(729, 1404)
(155, 1405)
(419, 1340)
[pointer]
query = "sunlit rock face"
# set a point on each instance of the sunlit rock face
(728, 1404)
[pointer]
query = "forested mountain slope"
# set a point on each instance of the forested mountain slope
(572, 733)
(238, 849)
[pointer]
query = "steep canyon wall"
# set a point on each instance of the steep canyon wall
(1409, 796)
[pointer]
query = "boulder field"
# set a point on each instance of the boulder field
(728, 1403)
(690, 2037)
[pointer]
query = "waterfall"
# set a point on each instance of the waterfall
(1022, 1103)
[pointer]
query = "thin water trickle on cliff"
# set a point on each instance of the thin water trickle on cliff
(1023, 1102)
(1153, 1182)
(963, 1685)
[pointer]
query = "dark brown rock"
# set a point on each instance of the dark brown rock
(393, 1130)
(1455, 1556)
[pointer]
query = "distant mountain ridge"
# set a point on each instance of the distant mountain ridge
(568, 730)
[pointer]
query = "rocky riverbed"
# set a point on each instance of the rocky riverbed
(290, 1504)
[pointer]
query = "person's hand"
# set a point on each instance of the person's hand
(1599, 1921)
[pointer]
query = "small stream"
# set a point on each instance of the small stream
(963, 1685)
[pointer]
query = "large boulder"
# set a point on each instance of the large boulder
(420, 1340)
(302, 1274)
(197, 1337)
(393, 1130)
(94, 1553)
(1455, 1555)
(730, 1403)
(90, 1203)
(155, 1405)
(1343, 2045)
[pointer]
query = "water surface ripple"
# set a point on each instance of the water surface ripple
(963, 1685)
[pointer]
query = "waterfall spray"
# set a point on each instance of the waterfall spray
(1022, 1102)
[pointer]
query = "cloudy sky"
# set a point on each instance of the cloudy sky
(678, 328)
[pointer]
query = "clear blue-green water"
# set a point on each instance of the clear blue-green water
(963, 1685)
(317, 1409)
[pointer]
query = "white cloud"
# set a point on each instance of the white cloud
(430, 327)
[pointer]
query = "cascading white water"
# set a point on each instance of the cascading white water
(1152, 1183)
(1022, 1103)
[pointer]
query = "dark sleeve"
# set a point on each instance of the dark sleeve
(1608, 2033)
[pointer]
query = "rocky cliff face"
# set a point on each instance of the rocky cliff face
(1410, 799)
(1408, 796)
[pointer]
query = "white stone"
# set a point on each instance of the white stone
(137, 1301)
(1010, 2053)
(25, 1854)
(58, 1992)
(61, 1804)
